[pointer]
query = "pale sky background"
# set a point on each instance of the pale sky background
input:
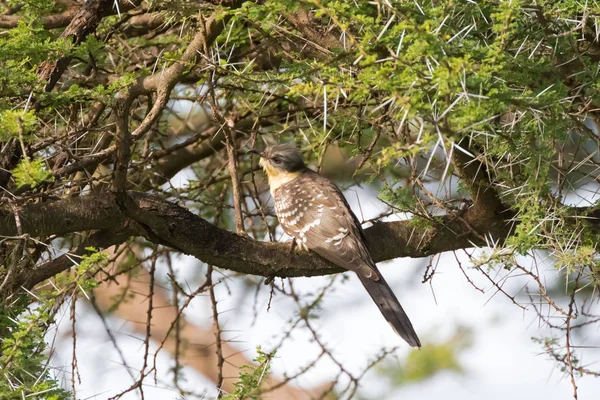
(503, 362)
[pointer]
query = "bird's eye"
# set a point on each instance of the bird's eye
(276, 160)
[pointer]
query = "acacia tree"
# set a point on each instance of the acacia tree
(477, 121)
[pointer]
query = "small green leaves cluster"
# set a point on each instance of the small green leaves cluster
(532, 214)
(402, 198)
(31, 173)
(15, 122)
(88, 266)
(252, 377)
(585, 256)
(24, 372)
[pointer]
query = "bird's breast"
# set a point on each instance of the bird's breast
(279, 178)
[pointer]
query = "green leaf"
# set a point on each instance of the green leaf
(14, 121)
(31, 173)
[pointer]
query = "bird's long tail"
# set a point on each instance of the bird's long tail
(390, 307)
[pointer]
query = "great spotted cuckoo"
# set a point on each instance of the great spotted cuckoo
(312, 210)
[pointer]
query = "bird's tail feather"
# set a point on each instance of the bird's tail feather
(390, 307)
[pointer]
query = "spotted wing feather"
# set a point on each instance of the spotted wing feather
(313, 211)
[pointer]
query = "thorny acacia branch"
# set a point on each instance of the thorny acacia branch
(165, 223)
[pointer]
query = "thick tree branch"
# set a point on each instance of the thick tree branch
(59, 20)
(64, 216)
(168, 224)
(486, 202)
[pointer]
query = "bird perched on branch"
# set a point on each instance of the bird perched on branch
(312, 210)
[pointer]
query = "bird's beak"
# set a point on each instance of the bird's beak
(252, 151)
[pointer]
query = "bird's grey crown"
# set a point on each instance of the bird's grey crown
(285, 156)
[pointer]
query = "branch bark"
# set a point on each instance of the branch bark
(169, 224)
(162, 83)
(486, 203)
(64, 18)
(83, 22)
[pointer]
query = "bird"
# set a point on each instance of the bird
(314, 212)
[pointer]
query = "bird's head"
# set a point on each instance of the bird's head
(281, 163)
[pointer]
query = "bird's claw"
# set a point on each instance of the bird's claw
(269, 279)
(293, 245)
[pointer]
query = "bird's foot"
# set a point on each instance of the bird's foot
(269, 279)
(293, 245)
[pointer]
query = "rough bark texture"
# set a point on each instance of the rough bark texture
(169, 224)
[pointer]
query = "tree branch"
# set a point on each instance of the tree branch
(83, 22)
(168, 224)
(323, 41)
(49, 22)
(486, 203)
(162, 83)
(99, 240)
(64, 18)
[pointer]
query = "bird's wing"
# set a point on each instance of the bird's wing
(313, 210)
